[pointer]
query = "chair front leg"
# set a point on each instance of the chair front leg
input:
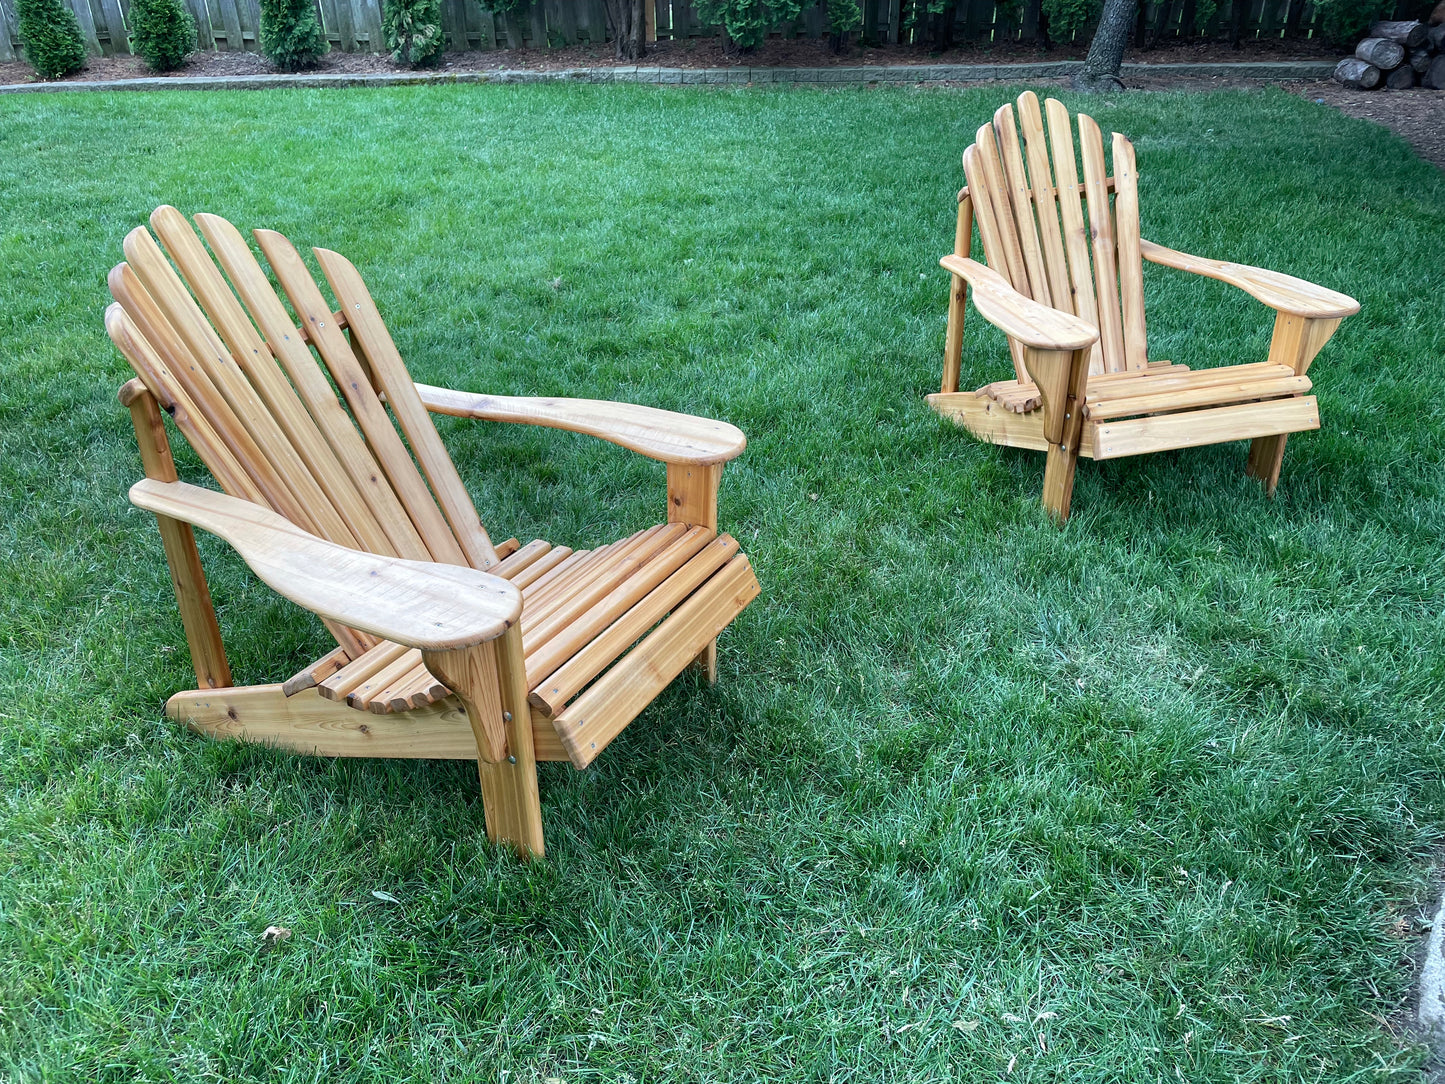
(692, 498)
(491, 681)
(1061, 377)
(1296, 342)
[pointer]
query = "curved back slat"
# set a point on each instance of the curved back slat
(1046, 206)
(223, 355)
(1071, 211)
(1022, 198)
(1101, 231)
(1058, 241)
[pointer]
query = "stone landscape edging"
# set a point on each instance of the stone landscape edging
(1277, 71)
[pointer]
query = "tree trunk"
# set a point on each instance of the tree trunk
(1106, 52)
(628, 34)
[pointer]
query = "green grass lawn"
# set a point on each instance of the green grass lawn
(1138, 800)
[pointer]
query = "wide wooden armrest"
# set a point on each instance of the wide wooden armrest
(1283, 293)
(1019, 317)
(435, 607)
(660, 434)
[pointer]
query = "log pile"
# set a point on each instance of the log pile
(1398, 56)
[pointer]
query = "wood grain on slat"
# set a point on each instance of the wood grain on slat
(258, 365)
(1139, 436)
(996, 184)
(606, 567)
(341, 684)
(1131, 264)
(380, 684)
(570, 609)
(588, 624)
(553, 692)
(1212, 395)
(308, 678)
(1021, 199)
(1101, 230)
(1046, 207)
(370, 415)
(591, 721)
(198, 383)
(401, 394)
(544, 564)
(378, 520)
(523, 558)
(171, 393)
(1076, 234)
(991, 233)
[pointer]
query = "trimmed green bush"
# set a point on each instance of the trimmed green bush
(291, 35)
(163, 32)
(51, 34)
(844, 17)
(413, 30)
(748, 21)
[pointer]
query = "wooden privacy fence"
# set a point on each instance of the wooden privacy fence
(355, 25)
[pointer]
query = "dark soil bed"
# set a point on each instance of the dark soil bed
(692, 53)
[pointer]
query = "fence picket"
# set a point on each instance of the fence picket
(117, 40)
(86, 18)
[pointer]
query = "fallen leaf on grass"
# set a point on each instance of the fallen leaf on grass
(385, 897)
(274, 935)
(966, 1025)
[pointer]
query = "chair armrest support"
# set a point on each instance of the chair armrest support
(1017, 316)
(434, 607)
(658, 434)
(1283, 293)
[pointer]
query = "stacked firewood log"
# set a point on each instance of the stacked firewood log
(1398, 55)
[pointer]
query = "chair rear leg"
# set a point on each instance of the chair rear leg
(1266, 456)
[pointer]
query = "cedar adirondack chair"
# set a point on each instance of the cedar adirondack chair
(447, 646)
(1083, 382)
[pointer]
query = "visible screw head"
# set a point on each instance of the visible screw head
(506, 716)
(511, 760)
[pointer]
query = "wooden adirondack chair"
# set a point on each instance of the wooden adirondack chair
(1083, 382)
(447, 646)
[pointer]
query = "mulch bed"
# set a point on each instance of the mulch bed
(692, 53)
